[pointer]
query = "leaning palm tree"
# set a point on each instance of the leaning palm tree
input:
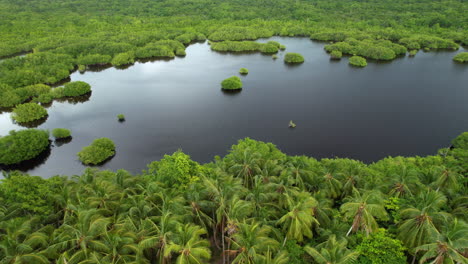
(450, 246)
(299, 218)
(332, 252)
(364, 209)
(251, 241)
(189, 245)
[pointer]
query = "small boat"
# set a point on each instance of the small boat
(291, 124)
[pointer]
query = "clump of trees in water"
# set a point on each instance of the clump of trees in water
(22, 145)
(99, 151)
(77, 88)
(255, 205)
(244, 71)
(461, 57)
(61, 133)
(292, 57)
(357, 61)
(372, 49)
(231, 83)
(244, 46)
(28, 112)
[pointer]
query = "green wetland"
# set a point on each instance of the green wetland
(409, 106)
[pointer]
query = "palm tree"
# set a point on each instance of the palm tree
(299, 218)
(364, 209)
(450, 247)
(19, 244)
(246, 166)
(189, 245)
(404, 180)
(332, 252)
(252, 240)
(420, 223)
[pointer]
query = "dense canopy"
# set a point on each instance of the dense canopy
(22, 145)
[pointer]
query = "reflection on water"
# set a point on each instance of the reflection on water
(62, 141)
(34, 123)
(411, 106)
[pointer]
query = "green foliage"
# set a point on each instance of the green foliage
(232, 83)
(77, 88)
(461, 141)
(121, 117)
(93, 59)
(61, 133)
(461, 57)
(357, 61)
(30, 193)
(243, 46)
(372, 49)
(28, 112)
(176, 170)
(22, 145)
(380, 248)
(336, 54)
(293, 58)
(100, 150)
(123, 59)
(243, 71)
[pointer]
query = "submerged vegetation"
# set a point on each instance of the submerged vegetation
(358, 61)
(22, 145)
(255, 205)
(231, 83)
(293, 58)
(28, 112)
(99, 151)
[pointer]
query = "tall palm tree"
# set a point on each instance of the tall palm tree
(364, 209)
(332, 252)
(252, 240)
(246, 166)
(188, 245)
(420, 221)
(299, 218)
(451, 245)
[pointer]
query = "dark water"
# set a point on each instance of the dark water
(411, 106)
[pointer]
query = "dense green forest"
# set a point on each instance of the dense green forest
(255, 205)
(65, 35)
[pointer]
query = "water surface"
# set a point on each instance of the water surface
(411, 106)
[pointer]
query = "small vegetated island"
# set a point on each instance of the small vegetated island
(28, 112)
(357, 61)
(246, 46)
(99, 151)
(461, 57)
(293, 58)
(244, 71)
(61, 133)
(22, 145)
(231, 83)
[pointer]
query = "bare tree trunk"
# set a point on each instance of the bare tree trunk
(222, 241)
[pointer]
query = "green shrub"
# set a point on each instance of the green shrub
(461, 57)
(282, 47)
(61, 133)
(121, 117)
(244, 46)
(81, 68)
(100, 150)
(231, 83)
(336, 54)
(44, 98)
(357, 61)
(413, 53)
(28, 112)
(76, 89)
(93, 59)
(274, 56)
(380, 248)
(22, 145)
(9, 99)
(123, 59)
(180, 52)
(293, 58)
(243, 71)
